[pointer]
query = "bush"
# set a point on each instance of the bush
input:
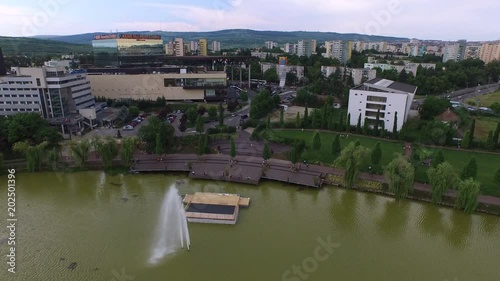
(221, 130)
(250, 123)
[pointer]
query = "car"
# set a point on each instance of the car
(127, 128)
(144, 115)
(133, 124)
(233, 115)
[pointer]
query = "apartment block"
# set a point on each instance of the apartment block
(490, 52)
(341, 50)
(359, 75)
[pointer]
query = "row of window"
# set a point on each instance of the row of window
(19, 102)
(19, 89)
(19, 109)
(65, 81)
(18, 96)
(81, 90)
(20, 82)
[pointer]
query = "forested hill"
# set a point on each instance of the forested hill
(38, 47)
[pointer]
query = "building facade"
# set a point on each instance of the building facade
(297, 69)
(389, 97)
(51, 91)
(473, 51)
(178, 47)
(304, 48)
(202, 47)
(215, 46)
(359, 75)
(175, 86)
(127, 50)
(490, 52)
(270, 44)
(338, 49)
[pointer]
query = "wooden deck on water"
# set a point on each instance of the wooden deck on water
(204, 199)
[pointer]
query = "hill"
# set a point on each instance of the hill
(245, 38)
(40, 47)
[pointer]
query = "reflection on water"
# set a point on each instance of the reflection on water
(83, 218)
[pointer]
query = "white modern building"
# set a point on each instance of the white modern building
(51, 91)
(389, 97)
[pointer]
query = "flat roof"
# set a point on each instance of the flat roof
(211, 209)
(215, 199)
(388, 85)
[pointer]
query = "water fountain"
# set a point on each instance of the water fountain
(172, 229)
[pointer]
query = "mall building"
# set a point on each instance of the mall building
(172, 83)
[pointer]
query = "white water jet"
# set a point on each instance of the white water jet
(172, 228)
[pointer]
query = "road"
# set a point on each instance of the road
(464, 94)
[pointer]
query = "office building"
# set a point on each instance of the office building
(178, 47)
(341, 50)
(490, 52)
(127, 50)
(202, 47)
(173, 84)
(359, 75)
(215, 46)
(454, 51)
(381, 94)
(51, 91)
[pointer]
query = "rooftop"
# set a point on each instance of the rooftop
(387, 85)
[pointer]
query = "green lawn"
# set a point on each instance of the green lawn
(484, 125)
(487, 163)
(487, 99)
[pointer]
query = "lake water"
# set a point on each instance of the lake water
(106, 224)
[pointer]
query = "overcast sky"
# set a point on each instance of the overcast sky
(423, 19)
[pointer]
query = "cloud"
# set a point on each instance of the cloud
(168, 26)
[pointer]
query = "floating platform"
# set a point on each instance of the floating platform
(219, 208)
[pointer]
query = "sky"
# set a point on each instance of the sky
(423, 19)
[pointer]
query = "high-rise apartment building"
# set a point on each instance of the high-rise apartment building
(304, 48)
(178, 47)
(490, 52)
(341, 50)
(473, 51)
(194, 46)
(270, 44)
(215, 46)
(203, 48)
(454, 51)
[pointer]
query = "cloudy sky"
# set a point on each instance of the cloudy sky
(423, 19)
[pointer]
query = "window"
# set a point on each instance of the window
(21, 96)
(169, 82)
(38, 82)
(375, 106)
(376, 99)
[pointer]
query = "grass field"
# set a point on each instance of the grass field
(487, 99)
(487, 163)
(484, 125)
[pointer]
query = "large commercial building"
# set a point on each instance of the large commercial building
(340, 50)
(359, 75)
(118, 50)
(173, 84)
(454, 51)
(389, 97)
(51, 91)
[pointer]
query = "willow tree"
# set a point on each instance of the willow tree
(33, 154)
(442, 178)
(53, 157)
(108, 149)
(468, 191)
(80, 151)
(399, 174)
(351, 159)
(95, 142)
(129, 145)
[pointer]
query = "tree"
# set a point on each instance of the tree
(471, 133)
(232, 152)
(266, 152)
(496, 178)
(351, 159)
(133, 111)
(1, 160)
(395, 126)
(490, 144)
(212, 113)
(305, 120)
(271, 75)
(316, 141)
(437, 159)
(366, 127)
(221, 114)
(201, 110)
(108, 150)
(336, 149)
(129, 145)
(441, 178)
(433, 106)
(403, 76)
(244, 96)
(468, 191)
(202, 144)
(358, 126)
(376, 130)
(118, 134)
(376, 155)
(399, 174)
(159, 148)
(32, 153)
(148, 134)
(496, 135)
(297, 120)
(52, 157)
(465, 140)
(30, 127)
(80, 151)
(192, 114)
(268, 122)
(470, 170)
(282, 121)
(200, 128)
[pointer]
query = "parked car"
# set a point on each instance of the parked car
(133, 124)
(127, 128)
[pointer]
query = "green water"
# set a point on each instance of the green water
(82, 218)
